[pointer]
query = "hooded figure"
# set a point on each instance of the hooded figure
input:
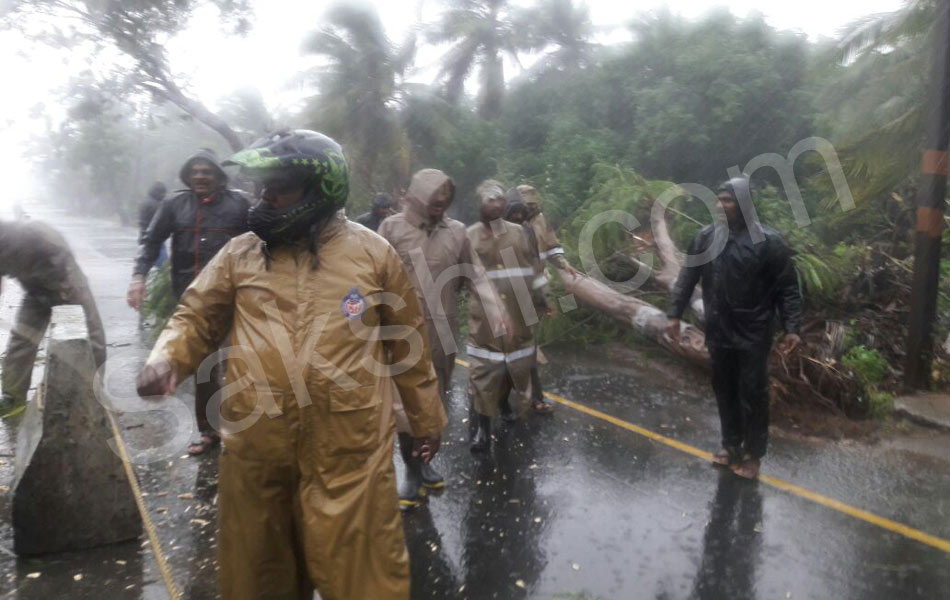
(500, 364)
(549, 247)
(744, 284)
(200, 221)
(382, 207)
(438, 256)
(307, 488)
(149, 206)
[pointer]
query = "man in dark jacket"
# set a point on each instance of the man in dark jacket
(147, 210)
(39, 258)
(743, 283)
(382, 208)
(149, 206)
(200, 221)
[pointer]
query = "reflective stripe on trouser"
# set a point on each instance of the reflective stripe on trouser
(491, 381)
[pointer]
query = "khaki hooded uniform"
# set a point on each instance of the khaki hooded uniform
(439, 259)
(307, 492)
(501, 362)
(549, 246)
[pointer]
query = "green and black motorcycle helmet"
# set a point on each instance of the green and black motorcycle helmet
(294, 159)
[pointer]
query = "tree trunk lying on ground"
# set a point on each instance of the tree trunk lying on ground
(642, 316)
(796, 379)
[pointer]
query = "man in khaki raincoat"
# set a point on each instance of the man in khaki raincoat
(502, 364)
(549, 247)
(438, 256)
(314, 305)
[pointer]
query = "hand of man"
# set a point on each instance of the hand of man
(789, 343)
(136, 293)
(426, 447)
(158, 379)
(673, 330)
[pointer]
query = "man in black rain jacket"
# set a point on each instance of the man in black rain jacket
(200, 221)
(743, 282)
(382, 207)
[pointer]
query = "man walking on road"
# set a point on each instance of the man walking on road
(200, 221)
(503, 364)
(39, 258)
(431, 246)
(743, 285)
(315, 305)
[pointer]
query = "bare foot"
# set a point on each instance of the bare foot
(748, 469)
(725, 457)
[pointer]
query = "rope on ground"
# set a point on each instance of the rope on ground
(170, 586)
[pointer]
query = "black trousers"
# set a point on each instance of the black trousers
(741, 383)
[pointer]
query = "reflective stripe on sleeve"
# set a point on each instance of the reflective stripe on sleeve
(507, 273)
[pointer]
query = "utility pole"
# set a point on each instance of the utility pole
(930, 212)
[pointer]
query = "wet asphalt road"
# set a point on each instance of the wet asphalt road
(567, 506)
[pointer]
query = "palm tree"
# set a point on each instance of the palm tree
(875, 103)
(481, 32)
(566, 26)
(359, 92)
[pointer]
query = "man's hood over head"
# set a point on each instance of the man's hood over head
(202, 154)
(529, 195)
(421, 189)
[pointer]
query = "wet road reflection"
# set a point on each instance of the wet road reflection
(732, 543)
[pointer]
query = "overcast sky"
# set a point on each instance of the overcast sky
(215, 64)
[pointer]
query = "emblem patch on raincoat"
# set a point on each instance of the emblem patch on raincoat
(354, 305)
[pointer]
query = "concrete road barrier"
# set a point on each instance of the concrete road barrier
(70, 489)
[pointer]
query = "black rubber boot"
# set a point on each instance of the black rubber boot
(507, 415)
(431, 478)
(482, 440)
(410, 487)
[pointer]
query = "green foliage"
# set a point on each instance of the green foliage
(474, 153)
(480, 32)
(872, 96)
(160, 302)
(614, 188)
(359, 91)
(815, 277)
(867, 365)
(880, 404)
(711, 94)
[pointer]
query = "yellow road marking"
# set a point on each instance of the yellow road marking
(857, 513)
(166, 571)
